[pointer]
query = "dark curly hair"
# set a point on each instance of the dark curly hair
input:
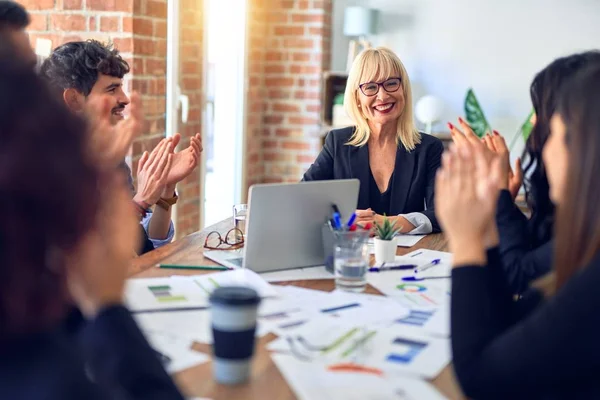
(76, 65)
(13, 15)
(544, 96)
(48, 192)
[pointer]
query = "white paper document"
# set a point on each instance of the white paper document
(194, 326)
(318, 383)
(188, 292)
(176, 352)
(377, 349)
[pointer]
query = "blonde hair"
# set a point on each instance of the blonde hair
(376, 65)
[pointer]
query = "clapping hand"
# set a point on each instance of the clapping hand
(465, 202)
(185, 161)
(152, 173)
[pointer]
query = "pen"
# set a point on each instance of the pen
(392, 268)
(415, 279)
(351, 220)
(198, 267)
(427, 266)
(337, 220)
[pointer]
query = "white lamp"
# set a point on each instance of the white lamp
(428, 110)
(358, 23)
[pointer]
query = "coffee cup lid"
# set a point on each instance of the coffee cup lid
(235, 296)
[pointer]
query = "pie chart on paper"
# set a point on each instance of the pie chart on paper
(411, 288)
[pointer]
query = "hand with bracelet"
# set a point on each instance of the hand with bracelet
(153, 170)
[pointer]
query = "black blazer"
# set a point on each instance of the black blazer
(414, 174)
(534, 348)
(107, 358)
(524, 257)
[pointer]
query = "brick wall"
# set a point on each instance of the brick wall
(138, 28)
(297, 51)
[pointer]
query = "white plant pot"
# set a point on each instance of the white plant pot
(385, 251)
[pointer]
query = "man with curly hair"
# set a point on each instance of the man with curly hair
(83, 72)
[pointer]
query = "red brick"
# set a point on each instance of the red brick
(124, 45)
(110, 24)
(288, 4)
(273, 119)
(127, 24)
(302, 94)
(279, 94)
(279, 82)
(39, 22)
(298, 43)
(296, 145)
(68, 23)
(283, 107)
(156, 67)
(277, 17)
(274, 56)
(156, 9)
(138, 66)
(109, 5)
(289, 30)
(301, 56)
(317, 31)
(161, 48)
(142, 26)
(72, 4)
(308, 18)
(270, 144)
(192, 83)
(160, 29)
(274, 69)
(37, 4)
(303, 121)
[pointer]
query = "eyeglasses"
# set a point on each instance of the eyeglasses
(372, 88)
(234, 239)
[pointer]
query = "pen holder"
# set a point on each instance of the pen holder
(328, 246)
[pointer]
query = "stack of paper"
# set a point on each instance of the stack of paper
(188, 292)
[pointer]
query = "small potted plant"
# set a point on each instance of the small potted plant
(385, 241)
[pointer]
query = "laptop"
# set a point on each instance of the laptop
(284, 221)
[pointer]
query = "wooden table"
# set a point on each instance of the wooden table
(266, 381)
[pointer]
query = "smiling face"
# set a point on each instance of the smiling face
(382, 102)
(113, 87)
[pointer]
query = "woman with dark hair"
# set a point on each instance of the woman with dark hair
(546, 344)
(526, 243)
(66, 237)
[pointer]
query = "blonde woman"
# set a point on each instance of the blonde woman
(394, 163)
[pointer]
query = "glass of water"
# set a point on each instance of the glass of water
(351, 260)
(240, 212)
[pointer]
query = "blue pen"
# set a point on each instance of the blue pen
(351, 220)
(392, 268)
(427, 266)
(337, 220)
(415, 279)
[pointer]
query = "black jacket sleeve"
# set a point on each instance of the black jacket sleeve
(522, 262)
(121, 360)
(322, 168)
(434, 161)
(552, 350)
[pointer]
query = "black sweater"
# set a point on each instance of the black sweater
(524, 257)
(530, 349)
(112, 360)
